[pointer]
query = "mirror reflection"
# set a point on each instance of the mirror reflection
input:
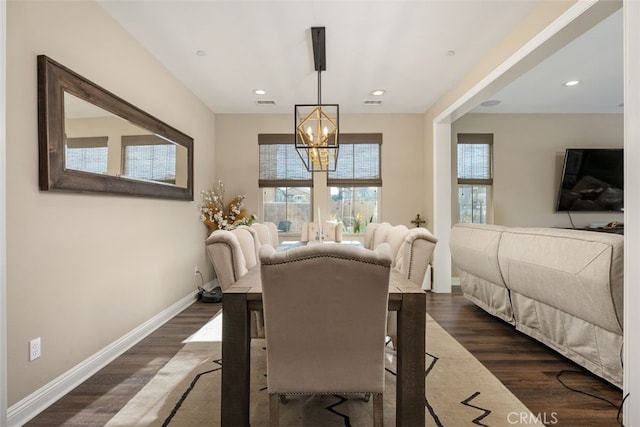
(97, 141)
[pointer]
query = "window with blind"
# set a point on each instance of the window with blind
(149, 157)
(87, 154)
(354, 187)
(475, 177)
(285, 182)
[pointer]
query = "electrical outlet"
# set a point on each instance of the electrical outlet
(196, 271)
(35, 349)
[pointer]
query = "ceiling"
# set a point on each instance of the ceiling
(415, 50)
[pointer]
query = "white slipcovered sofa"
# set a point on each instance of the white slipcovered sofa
(561, 287)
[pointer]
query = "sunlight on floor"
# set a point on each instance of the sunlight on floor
(210, 332)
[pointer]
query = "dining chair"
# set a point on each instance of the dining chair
(331, 231)
(325, 311)
(233, 253)
(267, 233)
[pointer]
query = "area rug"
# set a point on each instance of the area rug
(459, 390)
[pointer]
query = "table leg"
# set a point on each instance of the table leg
(410, 391)
(236, 360)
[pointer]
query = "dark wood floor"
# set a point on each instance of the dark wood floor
(526, 367)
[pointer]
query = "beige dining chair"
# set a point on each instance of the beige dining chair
(267, 233)
(233, 253)
(325, 311)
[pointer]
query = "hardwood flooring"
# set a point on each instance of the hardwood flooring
(526, 367)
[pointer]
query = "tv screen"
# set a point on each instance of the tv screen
(592, 180)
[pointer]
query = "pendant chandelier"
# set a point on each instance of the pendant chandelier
(316, 125)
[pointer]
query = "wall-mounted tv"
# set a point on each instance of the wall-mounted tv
(592, 180)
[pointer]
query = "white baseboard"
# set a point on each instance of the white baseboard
(27, 408)
(455, 281)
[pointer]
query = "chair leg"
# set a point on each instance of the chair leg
(378, 411)
(274, 415)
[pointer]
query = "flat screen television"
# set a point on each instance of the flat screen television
(592, 180)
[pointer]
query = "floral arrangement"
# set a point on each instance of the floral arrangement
(357, 224)
(218, 216)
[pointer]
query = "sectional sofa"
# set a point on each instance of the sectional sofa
(561, 287)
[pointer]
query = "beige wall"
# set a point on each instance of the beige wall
(83, 270)
(528, 155)
(403, 166)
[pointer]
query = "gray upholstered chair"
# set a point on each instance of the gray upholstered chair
(325, 309)
(233, 253)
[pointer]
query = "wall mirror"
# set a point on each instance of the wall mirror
(93, 141)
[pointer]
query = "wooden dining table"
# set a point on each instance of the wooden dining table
(244, 296)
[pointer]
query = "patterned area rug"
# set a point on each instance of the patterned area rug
(459, 390)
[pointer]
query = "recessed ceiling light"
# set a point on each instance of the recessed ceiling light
(490, 103)
(201, 52)
(572, 83)
(260, 92)
(378, 92)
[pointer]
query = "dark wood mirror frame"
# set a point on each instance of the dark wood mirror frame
(53, 81)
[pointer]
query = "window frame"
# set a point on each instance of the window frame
(476, 139)
(282, 139)
(355, 139)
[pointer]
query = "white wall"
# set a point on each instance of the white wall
(528, 156)
(84, 270)
(403, 167)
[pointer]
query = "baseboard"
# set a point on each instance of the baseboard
(27, 408)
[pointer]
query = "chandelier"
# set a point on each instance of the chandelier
(316, 125)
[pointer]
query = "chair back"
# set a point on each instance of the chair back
(232, 253)
(325, 309)
(368, 234)
(331, 231)
(267, 233)
(380, 234)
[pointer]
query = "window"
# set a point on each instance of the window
(149, 157)
(286, 184)
(87, 154)
(355, 184)
(475, 177)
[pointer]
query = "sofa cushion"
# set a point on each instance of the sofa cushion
(578, 272)
(474, 249)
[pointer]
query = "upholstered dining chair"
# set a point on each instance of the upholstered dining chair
(325, 311)
(233, 253)
(267, 233)
(331, 231)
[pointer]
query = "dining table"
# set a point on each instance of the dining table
(245, 296)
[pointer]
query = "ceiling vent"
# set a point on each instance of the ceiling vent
(265, 102)
(372, 102)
